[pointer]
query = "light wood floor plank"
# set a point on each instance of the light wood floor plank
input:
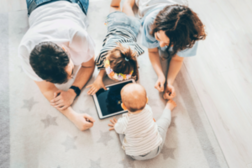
(16, 5)
(221, 74)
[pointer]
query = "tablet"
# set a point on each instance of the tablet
(108, 102)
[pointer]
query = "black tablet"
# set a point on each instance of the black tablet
(108, 102)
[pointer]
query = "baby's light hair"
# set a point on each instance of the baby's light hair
(134, 97)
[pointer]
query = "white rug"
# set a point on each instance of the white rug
(41, 137)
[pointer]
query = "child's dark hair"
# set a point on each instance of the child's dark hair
(181, 25)
(123, 60)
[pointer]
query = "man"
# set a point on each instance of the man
(57, 41)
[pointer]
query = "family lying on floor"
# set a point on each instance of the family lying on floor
(57, 41)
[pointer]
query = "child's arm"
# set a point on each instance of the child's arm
(98, 83)
(119, 126)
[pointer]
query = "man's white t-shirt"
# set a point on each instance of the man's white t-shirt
(62, 23)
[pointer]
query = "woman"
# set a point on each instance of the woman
(168, 25)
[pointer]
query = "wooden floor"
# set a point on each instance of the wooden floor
(221, 72)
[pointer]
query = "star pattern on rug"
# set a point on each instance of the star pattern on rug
(29, 103)
(127, 162)
(95, 164)
(49, 120)
(105, 137)
(173, 122)
(69, 143)
(168, 152)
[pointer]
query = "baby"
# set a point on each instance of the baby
(142, 138)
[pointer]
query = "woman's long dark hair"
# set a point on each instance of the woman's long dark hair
(181, 25)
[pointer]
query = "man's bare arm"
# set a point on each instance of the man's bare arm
(84, 74)
(48, 89)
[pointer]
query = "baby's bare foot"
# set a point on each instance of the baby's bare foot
(171, 104)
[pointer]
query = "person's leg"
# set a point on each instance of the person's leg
(84, 4)
(128, 7)
(164, 121)
(115, 6)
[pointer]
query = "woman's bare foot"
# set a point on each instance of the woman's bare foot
(171, 104)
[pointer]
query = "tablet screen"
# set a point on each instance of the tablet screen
(110, 100)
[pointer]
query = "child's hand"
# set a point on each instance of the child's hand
(113, 121)
(94, 87)
(169, 92)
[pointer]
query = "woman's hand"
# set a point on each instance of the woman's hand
(160, 84)
(169, 92)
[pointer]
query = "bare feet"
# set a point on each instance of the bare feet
(171, 104)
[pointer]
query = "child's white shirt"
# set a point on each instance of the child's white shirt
(141, 132)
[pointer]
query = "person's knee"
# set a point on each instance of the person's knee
(129, 3)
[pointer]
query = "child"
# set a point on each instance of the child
(117, 58)
(142, 138)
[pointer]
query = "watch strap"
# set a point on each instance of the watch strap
(76, 90)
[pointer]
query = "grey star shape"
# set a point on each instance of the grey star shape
(49, 120)
(168, 152)
(58, 167)
(95, 164)
(105, 137)
(127, 162)
(69, 143)
(29, 103)
(173, 122)
(87, 111)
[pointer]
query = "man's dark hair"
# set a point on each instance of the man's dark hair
(49, 61)
(181, 25)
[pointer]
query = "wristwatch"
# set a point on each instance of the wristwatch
(76, 90)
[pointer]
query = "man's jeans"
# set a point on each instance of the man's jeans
(33, 4)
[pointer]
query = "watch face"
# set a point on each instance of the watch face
(76, 90)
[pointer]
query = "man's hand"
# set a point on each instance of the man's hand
(83, 121)
(169, 92)
(62, 99)
(113, 121)
(160, 84)
(94, 87)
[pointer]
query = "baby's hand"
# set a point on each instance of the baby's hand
(171, 104)
(94, 87)
(113, 121)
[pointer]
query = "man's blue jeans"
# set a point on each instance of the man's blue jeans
(33, 4)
